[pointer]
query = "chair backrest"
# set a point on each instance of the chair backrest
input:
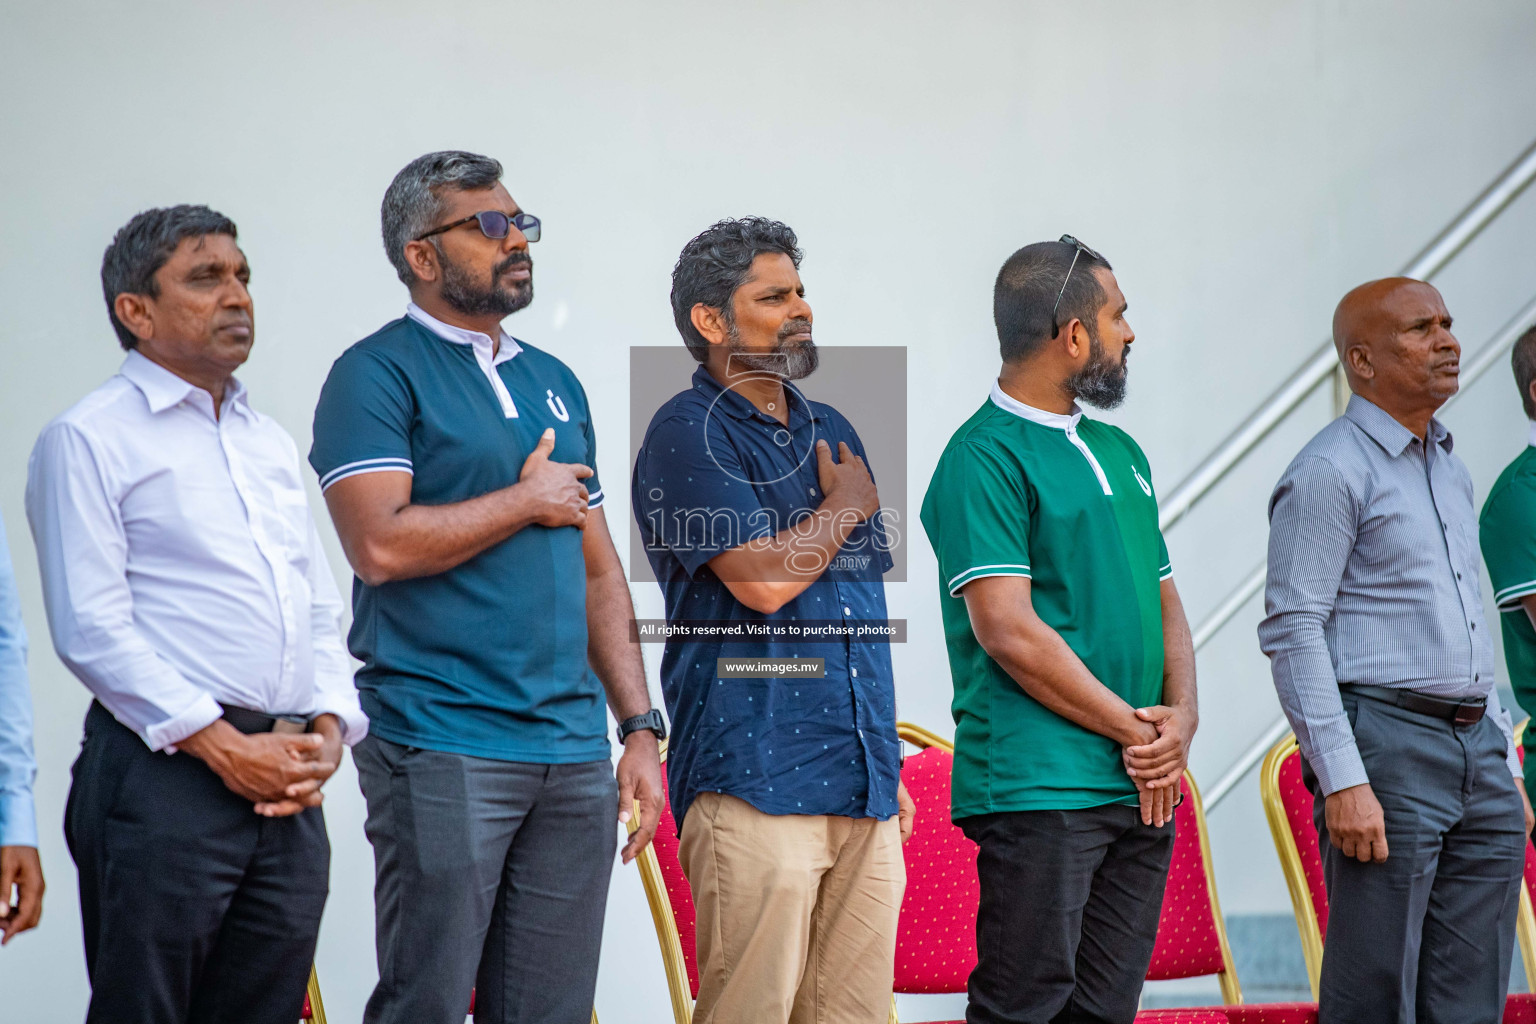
(1191, 934)
(672, 910)
(1288, 807)
(936, 941)
(679, 895)
(1530, 851)
(1525, 920)
(936, 932)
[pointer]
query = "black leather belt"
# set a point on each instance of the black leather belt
(1461, 712)
(249, 722)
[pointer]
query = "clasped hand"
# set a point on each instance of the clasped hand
(1157, 763)
(280, 773)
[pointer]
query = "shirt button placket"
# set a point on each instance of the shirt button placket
(259, 536)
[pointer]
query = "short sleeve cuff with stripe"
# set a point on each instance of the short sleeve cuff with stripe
(985, 529)
(385, 464)
(981, 572)
(363, 420)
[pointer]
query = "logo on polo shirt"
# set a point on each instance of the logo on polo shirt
(557, 406)
(1146, 488)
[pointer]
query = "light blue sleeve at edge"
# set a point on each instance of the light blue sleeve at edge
(18, 766)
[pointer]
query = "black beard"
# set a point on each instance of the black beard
(791, 362)
(466, 296)
(1102, 382)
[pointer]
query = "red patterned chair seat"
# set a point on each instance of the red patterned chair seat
(1272, 1013)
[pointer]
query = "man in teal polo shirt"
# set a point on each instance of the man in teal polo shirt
(1507, 529)
(491, 613)
(1073, 669)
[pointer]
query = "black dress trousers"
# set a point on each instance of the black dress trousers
(195, 908)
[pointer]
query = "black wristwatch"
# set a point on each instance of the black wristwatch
(651, 720)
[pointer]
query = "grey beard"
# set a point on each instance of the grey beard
(1102, 382)
(791, 362)
(465, 296)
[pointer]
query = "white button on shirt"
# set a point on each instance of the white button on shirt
(181, 566)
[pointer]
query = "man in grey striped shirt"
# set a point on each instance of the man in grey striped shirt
(1381, 656)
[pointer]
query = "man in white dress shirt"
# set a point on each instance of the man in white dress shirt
(186, 587)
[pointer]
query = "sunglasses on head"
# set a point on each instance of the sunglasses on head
(1078, 249)
(494, 224)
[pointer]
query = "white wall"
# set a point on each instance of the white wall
(1241, 165)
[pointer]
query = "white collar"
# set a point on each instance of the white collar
(1533, 434)
(1055, 420)
(162, 389)
(462, 336)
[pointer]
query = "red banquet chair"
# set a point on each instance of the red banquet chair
(936, 943)
(1288, 806)
(1525, 923)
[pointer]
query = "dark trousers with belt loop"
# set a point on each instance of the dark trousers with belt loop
(195, 908)
(1428, 935)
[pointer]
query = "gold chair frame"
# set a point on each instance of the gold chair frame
(316, 1004)
(1296, 879)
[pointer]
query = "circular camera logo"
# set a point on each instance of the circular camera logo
(781, 436)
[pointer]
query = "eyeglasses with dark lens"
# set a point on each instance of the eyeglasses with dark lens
(1078, 248)
(495, 224)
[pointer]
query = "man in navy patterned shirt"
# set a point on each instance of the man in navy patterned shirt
(760, 518)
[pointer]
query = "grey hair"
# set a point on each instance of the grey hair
(413, 202)
(143, 245)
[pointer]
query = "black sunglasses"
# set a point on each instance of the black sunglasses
(1078, 249)
(494, 224)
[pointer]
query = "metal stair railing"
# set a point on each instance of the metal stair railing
(1319, 368)
(1482, 211)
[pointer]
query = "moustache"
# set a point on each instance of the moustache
(796, 326)
(515, 261)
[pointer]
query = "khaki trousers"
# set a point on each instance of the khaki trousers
(796, 914)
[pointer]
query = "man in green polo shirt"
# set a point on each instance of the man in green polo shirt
(1507, 529)
(1073, 668)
